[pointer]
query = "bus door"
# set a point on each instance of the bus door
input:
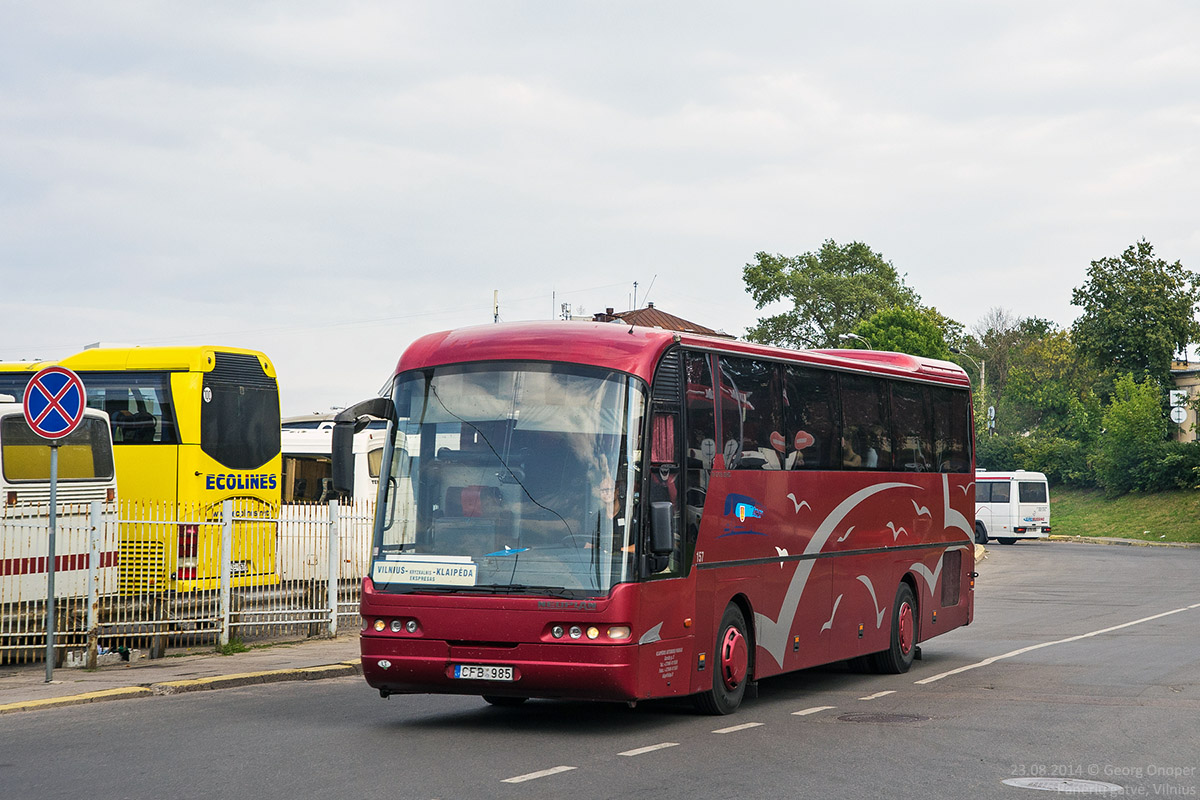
(667, 642)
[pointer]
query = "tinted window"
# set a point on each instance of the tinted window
(239, 413)
(1000, 492)
(913, 428)
(810, 418)
(1032, 491)
(951, 429)
(866, 436)
(138, 404)
(753, 403)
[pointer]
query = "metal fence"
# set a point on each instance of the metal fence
(148, 576)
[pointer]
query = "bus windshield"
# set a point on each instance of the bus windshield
(506, 477)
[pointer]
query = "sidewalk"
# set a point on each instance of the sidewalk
(24, 688)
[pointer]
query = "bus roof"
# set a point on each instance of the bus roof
(196, 358)
(637, 350)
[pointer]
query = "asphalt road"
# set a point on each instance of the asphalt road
(1083, 664)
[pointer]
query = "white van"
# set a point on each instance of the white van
(1011, 506)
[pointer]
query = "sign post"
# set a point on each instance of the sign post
(53, 405)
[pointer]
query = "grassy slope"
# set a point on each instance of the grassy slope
(1162, 517)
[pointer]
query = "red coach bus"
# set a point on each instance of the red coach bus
(589, 510)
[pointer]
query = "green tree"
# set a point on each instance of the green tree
(1049, 387)
(831, 291)
(1138, 311)
(916, 331)
(1134, 438)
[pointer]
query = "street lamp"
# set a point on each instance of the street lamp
(845, 336)
(982, 367)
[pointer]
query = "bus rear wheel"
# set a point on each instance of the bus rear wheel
(731, 666)
(1006, 540)
(903, 642)
(981, 536)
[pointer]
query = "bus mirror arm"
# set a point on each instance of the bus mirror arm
(348, 422)
(662, 538)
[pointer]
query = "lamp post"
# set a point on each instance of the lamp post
(845, 336)
(982, 367)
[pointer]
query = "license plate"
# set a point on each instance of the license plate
(483, 672)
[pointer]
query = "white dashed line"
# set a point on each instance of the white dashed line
(812, 710)
(1013, 653)
(643, 750)
(535, 775)
(878, 694)
(737, 728)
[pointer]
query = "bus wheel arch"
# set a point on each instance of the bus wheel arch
(904, 634)
(732, 661)
(981, 534)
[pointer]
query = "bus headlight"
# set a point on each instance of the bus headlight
(620, 632)
(380, 625)
(576, 632)
(593, 632)
(397, 626)
(411, 626)
(557, 631)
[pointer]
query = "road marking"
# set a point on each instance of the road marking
(1023, 650)
(643, 750)
(878, 694)
(535, 775)
(812, 710)
(737, 728)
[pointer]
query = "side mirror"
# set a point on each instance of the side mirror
(662, 536)
(347, 423)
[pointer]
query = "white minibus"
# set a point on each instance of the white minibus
(1011, 506)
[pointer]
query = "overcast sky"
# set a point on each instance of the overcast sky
(327, 181)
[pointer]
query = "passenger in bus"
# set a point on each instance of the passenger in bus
(850, 456)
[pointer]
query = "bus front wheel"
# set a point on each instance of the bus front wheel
(903, 641)
(731, 666)
(981, 536)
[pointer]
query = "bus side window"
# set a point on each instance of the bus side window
(913, 434)
(866, 428)
(1000, 492)
(810, 427)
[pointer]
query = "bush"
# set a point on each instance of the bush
(1130, 451)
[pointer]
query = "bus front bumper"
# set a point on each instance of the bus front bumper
(568, 670)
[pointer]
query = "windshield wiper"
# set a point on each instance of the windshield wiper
(520, 588)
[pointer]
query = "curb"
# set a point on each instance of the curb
(1124, 542)
(77, 699)
(341, 670)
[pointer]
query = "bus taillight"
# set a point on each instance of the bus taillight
(189, 541)
(12, 498)
(110, 494)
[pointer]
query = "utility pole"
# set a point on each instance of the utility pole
(495, 305)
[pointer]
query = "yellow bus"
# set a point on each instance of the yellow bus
(191, 428)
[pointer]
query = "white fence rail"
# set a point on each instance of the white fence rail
(152, 577)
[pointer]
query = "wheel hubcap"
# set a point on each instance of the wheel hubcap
(735, 658)
(906, 628)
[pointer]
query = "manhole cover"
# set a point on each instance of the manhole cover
(883, 719)
(1066, 785)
